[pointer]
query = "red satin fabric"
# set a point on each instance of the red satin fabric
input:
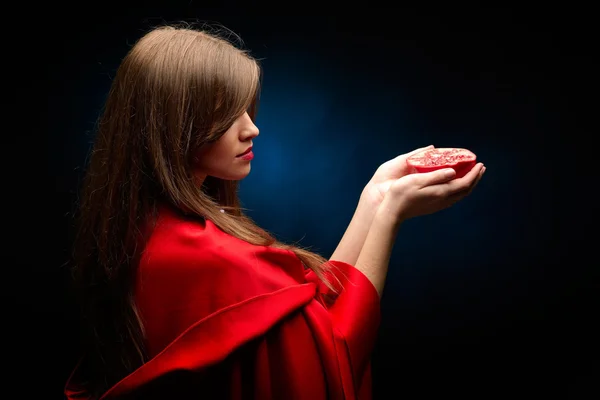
(226, 319)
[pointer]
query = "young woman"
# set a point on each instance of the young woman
(182, 295)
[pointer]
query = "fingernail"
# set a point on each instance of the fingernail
(449, 172)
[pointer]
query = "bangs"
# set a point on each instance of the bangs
(237, 89)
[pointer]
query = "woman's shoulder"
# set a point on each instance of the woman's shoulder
(188, 244)
(176, 234)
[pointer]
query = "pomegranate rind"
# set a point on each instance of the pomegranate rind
(459, 159)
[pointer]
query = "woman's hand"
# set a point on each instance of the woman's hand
(386, 174)
(426, 193)
(397, 173)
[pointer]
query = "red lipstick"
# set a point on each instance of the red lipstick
(247, 155)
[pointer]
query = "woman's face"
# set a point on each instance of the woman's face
(222, 159)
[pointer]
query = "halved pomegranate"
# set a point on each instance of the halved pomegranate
(461, 160)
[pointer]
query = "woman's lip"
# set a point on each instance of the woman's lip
(246, 152)
(247, 156)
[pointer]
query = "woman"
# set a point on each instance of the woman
(182, 295)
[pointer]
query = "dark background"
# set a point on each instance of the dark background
(495, 296)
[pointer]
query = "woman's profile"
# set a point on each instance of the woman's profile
(183, 295)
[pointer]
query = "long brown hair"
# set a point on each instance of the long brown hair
(176, 90)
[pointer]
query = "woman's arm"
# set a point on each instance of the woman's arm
(375, 254)
(355, 312)
(354, 237)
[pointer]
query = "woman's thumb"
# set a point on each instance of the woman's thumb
(439, 176)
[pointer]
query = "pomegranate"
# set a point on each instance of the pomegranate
(461, 160)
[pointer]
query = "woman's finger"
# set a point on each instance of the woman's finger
(451, 187)
(453, 198)
(434, 178)
(459, 185)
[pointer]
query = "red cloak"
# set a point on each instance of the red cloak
(227, 319)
